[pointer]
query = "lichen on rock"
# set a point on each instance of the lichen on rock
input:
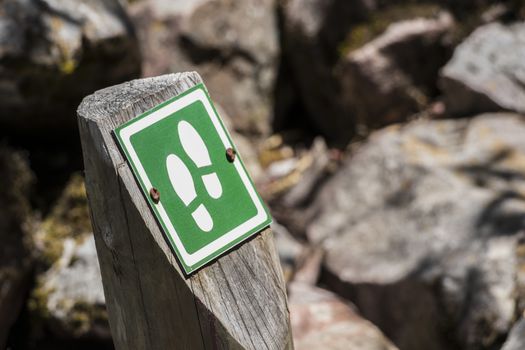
(68, 298)
(69, 218)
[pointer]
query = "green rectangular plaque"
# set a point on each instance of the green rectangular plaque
(181, 154)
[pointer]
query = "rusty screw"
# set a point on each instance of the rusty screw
(230, 154)
(154, 194)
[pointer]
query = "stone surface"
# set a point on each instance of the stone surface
(420, 227)
(289, 249)
(487, 71)
(15, 250)
(394, 75)
(232, 44)
(54, 52)
(74, 298)
(312, 31)
(337, 86)
(244, 147)
(516, 337)
(68, 299)
(321, 320)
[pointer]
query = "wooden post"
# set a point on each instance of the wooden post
(237, 302)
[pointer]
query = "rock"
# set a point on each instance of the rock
(71, 293)
(233, 45)
(467, 9)
(68, 299)
(54, 52)
(289, 249)
(312, 30)
(337, 49)
(394, 75)
(293, 174)
(244, 147)
(289, 196)
(249, 156)
(516, 338)
(420, 228)
(321, 320)
(15, 250)
(312, 176)
(69, 218)
(487, 71)
(310, 267)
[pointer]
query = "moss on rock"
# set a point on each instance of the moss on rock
(379, 21)
(85, 317)
(69, 218)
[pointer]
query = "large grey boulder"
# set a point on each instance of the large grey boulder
(420, 228)
(54, 52)
(15, 248)
(487, 71)
(233, 45)
(321, 320)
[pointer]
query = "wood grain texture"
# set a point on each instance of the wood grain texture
(237, 302)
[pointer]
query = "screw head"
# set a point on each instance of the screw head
(230, 154)
(154, 194)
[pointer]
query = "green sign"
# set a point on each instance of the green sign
(200, 192)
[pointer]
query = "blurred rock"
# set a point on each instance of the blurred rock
(340, 53)
(420, 227)
(68, 300)
(392, 77)
(233, 45)
(289, 249)
(312, 31)
(54, 52)
(15, 250)
(248, 155)
(290, 195)
(466, 9)
(309, 270)
(292, 174)
(311, 177)
(516, 337)
(487, 71)
(244, 147)
(320, 320)
(71, 293)
(520, 276)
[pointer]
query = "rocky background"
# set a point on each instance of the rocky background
(388, 138)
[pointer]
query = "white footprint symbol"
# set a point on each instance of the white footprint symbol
(181, 179)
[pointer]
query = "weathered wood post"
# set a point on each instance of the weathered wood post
(237, 302)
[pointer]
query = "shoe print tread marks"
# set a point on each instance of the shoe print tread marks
(182, 180)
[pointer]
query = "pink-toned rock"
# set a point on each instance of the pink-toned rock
(320, 320)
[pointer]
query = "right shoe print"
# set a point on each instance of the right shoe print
(182, 180)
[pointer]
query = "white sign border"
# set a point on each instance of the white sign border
(197, 257)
